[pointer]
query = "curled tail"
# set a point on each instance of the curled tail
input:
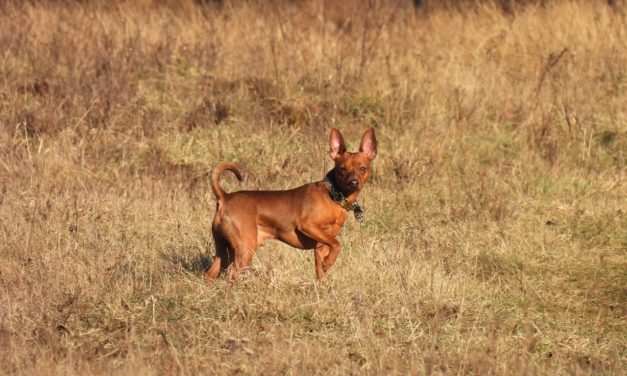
(215, 178)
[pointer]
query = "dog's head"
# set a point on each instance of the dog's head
(352, 169)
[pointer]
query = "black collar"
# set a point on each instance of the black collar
(338, 197)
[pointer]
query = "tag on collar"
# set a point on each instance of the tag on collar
(360, 216)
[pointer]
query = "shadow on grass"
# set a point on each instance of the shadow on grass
(190, 260)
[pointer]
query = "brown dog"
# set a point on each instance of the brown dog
(307, 217)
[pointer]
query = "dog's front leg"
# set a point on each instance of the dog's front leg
(320, 253)
(327, 245)
(330, 259)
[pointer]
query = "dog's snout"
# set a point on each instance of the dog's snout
(353, 183)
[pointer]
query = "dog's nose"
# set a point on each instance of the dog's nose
(353, 183)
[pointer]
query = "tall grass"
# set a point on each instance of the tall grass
(496, 233)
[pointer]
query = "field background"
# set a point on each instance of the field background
(496, 232)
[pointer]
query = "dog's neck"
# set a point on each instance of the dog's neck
(350, 196)
(349, 203)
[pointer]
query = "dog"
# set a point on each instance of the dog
(307, 217)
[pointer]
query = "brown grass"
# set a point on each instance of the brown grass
(496, 235)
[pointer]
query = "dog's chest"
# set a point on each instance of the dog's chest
(337, 221)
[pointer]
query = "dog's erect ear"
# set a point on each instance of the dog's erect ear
(336, 144)
(369, 144)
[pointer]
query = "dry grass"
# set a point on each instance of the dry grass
(496, 235)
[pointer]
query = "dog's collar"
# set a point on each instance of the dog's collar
(339, 198)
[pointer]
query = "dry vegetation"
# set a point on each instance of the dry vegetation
(496, 235)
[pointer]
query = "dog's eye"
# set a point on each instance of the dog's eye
(362, 169)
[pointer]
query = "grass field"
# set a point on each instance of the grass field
(496, 231)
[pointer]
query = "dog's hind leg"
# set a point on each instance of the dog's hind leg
(224, 257)
(243, 241)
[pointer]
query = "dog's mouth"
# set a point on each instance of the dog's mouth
(345, 184)
(349, 186)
